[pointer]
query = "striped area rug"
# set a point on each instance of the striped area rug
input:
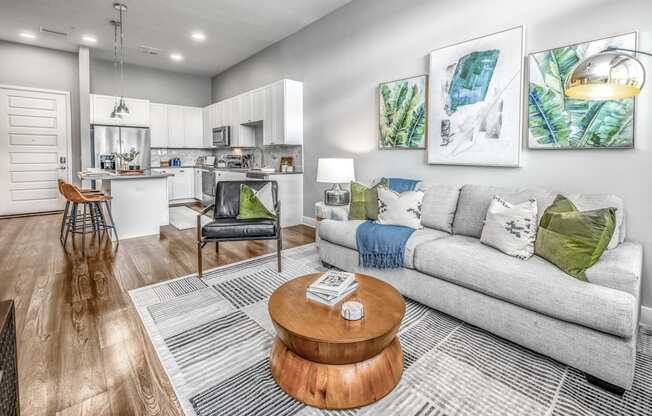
(213, 337)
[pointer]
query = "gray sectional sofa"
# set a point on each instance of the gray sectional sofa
(591, 326)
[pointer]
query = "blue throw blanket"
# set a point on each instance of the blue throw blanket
(402, 185)
(383, 246)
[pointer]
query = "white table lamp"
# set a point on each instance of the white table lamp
(335, 171)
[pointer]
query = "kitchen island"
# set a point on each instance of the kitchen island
(139, 203)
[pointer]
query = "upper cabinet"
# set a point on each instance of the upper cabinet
(283, 122)
(158, 125)
(278, 106)
(102, 106)
(176, 126)
(193, 127)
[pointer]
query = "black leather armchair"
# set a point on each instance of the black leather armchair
(225, 225)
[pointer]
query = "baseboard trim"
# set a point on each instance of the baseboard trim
(310, 222)
(646, 315)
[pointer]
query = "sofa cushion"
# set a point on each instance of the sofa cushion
(343, 233)
(474, 201)
(439, 205)
(534, 284)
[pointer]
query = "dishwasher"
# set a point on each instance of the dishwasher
(207, 186)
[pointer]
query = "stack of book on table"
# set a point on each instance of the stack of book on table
(331, 287)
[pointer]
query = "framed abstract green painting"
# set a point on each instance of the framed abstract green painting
(403, 113)
(556, 121)
(475, 98)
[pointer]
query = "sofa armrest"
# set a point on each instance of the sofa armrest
(331, 212)
(619, 268)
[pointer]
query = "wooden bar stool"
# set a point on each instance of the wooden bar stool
(92, 216)
(66, 210)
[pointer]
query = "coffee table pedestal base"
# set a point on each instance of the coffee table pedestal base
(337, 386)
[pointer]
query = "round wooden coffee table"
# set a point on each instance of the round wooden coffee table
(323, 360)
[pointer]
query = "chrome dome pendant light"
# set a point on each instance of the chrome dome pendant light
(608, 75)
(120, 109)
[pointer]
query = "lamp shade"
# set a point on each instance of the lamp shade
(332, 170)
(606, 76)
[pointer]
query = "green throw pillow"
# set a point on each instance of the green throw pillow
(364, 200)
(256, 204)
(574, 240)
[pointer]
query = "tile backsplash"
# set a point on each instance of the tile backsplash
(271, 155)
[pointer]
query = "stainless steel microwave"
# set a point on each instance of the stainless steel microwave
(222, 136)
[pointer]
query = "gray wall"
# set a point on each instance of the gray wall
(342, 57)
(30, 66)
(156, 85)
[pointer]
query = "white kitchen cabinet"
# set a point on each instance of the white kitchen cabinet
(279, 106)
(102, 106)
(283, 113)
(258, 104)
(182, 184)
(268, 115)
(245, 115)
(176, 128)
(192, 123)
(170, 180)
(207, 129)
(158, 125)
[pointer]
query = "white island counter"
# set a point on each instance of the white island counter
(139, 203)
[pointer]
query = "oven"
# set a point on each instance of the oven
(222, 136)
(207, 186)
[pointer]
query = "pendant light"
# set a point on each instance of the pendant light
(115, 65)
(608, 75)
(120, 109)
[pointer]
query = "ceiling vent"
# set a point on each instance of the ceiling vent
(52, 32)
(149, 50)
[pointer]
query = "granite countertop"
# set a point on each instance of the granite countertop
(243, 170)
(114, 177)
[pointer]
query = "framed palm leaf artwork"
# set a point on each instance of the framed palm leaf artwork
(475, 101)
(559, 122)
(402, 117)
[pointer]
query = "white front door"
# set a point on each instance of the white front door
(34, 152)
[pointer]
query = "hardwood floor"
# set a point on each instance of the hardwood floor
(81, 347)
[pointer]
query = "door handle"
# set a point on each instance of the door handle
(62, 162)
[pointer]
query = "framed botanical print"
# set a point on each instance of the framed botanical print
(403, 113)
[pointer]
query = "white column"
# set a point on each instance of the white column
(85, 106)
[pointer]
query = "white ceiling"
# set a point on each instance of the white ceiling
(234, 29)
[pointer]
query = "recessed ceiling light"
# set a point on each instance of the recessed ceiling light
(176, 57)
(89, 38)
(27, 35)
(198, 36)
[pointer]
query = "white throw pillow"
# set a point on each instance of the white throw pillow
(400, 208)
(511, 228)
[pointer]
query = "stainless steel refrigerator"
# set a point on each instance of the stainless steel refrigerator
(105, 140)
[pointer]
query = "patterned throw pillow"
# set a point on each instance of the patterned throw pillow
(511, 228)
(256, 204)
(400, 208)
(364, 200)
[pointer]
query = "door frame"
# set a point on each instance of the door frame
(66, 94)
